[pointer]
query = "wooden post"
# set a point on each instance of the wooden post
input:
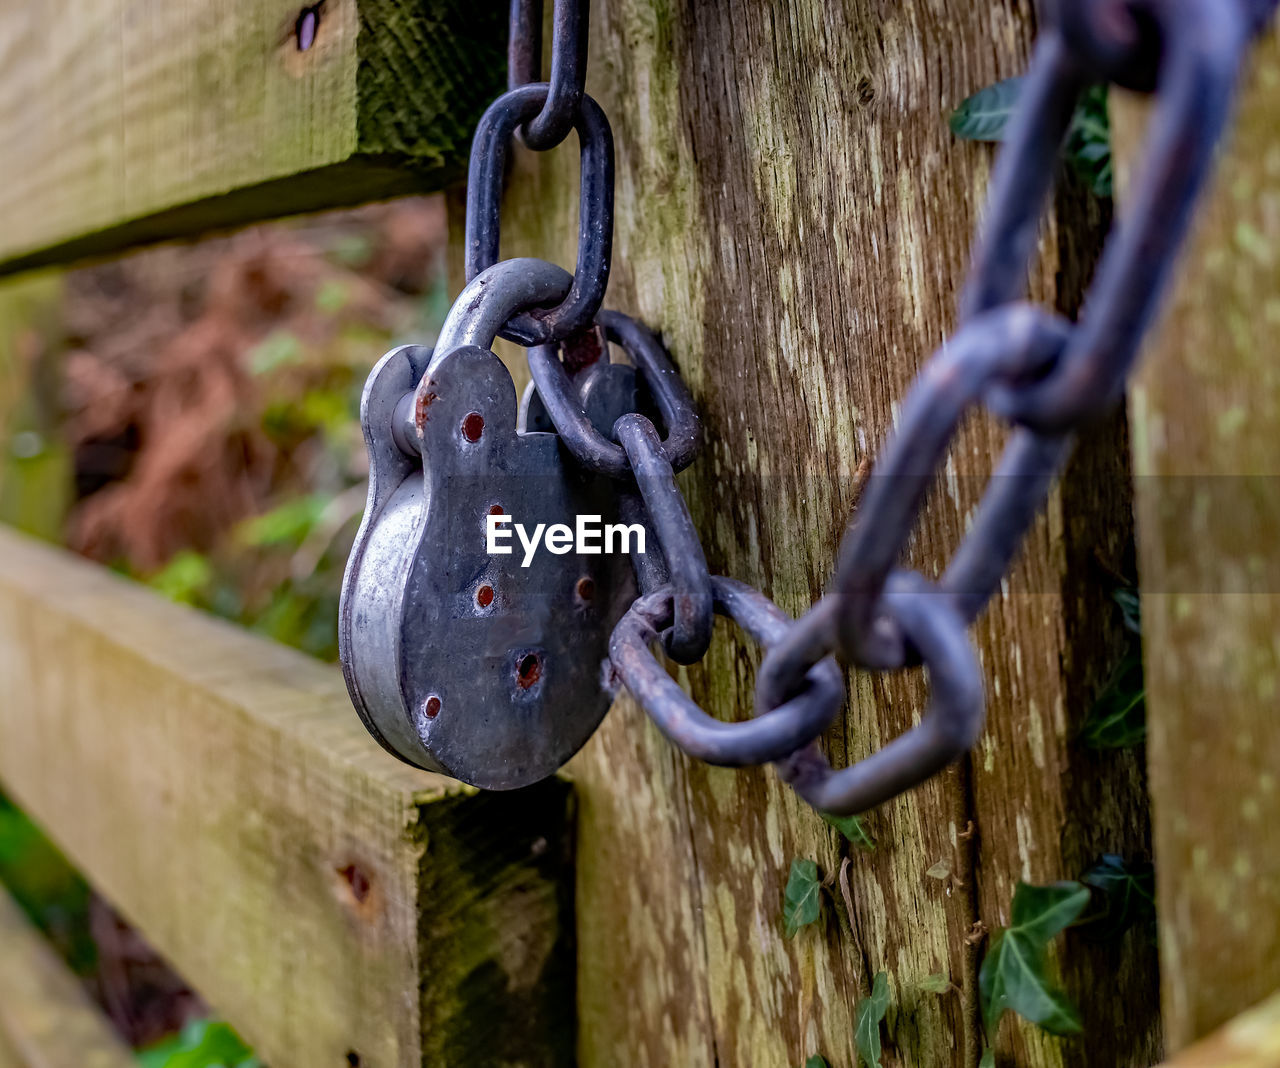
(1206, 416)
(1250, 1040)
(796, 218)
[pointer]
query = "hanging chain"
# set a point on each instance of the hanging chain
(1043, 374)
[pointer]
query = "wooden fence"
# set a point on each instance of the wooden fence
(795, 217)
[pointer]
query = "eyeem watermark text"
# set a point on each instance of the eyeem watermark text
(589, 536)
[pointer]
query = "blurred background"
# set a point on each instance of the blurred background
(189, 416)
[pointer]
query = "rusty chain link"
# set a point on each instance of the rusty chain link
(1040, 372)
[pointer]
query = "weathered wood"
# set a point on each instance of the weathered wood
(795, 217)
(329, 901)
(1206, 413)
(1251, 1040)
(35, 463)
(157, 120)
(46, 1018)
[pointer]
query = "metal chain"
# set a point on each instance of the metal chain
(1045, 375)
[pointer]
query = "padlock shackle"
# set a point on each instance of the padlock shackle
(494, 296)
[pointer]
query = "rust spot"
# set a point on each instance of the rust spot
(528, 670)
(484, 596)
(496, 509)
(421, 402)
(583, 349)
(472, 426)
(432, 707)
(586, 588)
(358, 882)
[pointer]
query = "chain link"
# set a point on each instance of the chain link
(1045, 375)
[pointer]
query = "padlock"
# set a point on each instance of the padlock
(484, 666)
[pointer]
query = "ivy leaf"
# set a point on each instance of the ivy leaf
(1130, 607)
(1013, 972)
(851, 827)
(988, 1059)
(870, 1012)
(1128, 892)
(937, 983)
(985, 115)
(1088, 146)
(802, 899)
(816, 1062)
(1118, 718)
(201, 1044)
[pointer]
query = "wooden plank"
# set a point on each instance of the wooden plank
(1205, 413)
(1251, 1040)
(46, 1018)
(125, 121)
(336, 906)
(795, 217)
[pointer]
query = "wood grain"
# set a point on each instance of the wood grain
(1205, 409)
(125, 121)
(1250, 1040)
(46, 1018)
(329, 901)
(796, 219)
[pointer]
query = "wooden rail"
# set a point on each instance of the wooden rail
(46, 1018)
(329, 901)
(123, 122)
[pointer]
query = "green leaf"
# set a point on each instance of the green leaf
(851, 827)
(353, 250)
(201, 1044)
(816, 1062)
(286, 524)
(1130, 604)
(332, 296)
(1088, 144)
(988, 1059)
(184, 578)
(937, 983)
(1128, 893)
(276, 350)
(802, 900)
(1013, 973)
(985, 115)
(1118, 719)
(871, 1011)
